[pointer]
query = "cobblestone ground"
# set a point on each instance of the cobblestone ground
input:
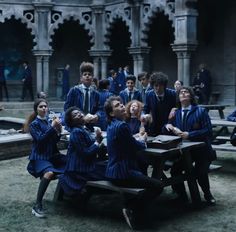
(18, 190)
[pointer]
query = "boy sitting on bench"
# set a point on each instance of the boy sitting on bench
(122, 169)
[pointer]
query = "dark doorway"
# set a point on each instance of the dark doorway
(160, 38)
(70, 45)
(16, 44)
(119, 41)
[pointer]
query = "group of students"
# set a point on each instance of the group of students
(163, 111)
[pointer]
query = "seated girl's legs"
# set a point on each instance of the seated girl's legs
(44, 182)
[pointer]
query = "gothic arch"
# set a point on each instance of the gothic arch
(17, 16)
(112, 16)
(84, 20)
(149, 13)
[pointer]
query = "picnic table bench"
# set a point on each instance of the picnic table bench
(224, 147)
(223, 125)
(159, 158)
(219, 108)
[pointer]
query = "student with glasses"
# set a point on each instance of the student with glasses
(192, 122)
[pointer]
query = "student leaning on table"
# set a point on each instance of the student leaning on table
(122, 168)
(193, 123)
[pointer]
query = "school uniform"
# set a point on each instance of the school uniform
(102, 121)
(81, 163)
(134, 125)
(143, 92)
(198, 124)
(134, 95)
(76, 97)
(122, 168)
(159, 107)
(121, 148)
(44, 156)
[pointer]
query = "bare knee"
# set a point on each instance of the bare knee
(49, 175)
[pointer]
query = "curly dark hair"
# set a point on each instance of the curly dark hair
(159, 78)
(67, 118)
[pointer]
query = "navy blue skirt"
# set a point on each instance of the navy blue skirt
(56, 164)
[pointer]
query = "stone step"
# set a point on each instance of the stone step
(24, 109)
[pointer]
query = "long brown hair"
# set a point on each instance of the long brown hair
(33, 115)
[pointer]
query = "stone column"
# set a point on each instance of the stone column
(46, 74)
(185, 36)
(183, 55)
(96, 64)
(39, 69)
(180, 66)
(42, 69)
(186, 68)
(104, 67)
(140, 59)
(100, 56)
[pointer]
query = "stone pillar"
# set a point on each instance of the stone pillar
(183, 55)
(42, 49)
(100, 56)
(186, 68)
(104, 67)
(180, 66)
(46, 74)
(39, 74)
(42, 69)
(96, 64)
(140, 59)
(185, 36)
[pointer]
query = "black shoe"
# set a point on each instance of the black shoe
(38, 211)
(210, 199)
(129, 217)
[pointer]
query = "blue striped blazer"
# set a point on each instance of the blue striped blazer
(198, 125)
(45, 140)
(125, 97)
(102, 121)
(75, 97)
(122, 148)
(81, 151)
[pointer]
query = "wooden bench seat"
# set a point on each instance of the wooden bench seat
(103, 184)
(223, 138)
(100, 184)
(224, 147)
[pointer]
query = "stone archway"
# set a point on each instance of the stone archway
(160, 38)
(119, 40)
(16, 44)
(70, 44)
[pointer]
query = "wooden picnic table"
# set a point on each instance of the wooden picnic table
(160, 156)
(220, 109)
(223, 124)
